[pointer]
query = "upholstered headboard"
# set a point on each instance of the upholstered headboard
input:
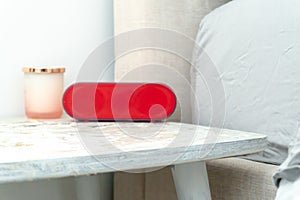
(157, 65)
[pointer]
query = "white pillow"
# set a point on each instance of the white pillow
(254, 46)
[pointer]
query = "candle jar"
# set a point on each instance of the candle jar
(43, 92)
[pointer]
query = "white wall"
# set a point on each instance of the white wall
(47, 32)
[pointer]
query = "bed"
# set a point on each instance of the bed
(238, 69)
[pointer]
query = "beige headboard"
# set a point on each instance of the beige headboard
(181, 16)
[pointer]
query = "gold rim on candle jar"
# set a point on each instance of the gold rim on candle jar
(44, 70)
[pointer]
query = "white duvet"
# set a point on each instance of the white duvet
(247, 75)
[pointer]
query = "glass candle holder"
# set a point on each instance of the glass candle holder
(43, 92)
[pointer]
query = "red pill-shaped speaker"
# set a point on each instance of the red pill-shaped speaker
(119, 101)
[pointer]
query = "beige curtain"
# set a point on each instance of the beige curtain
(182, 19)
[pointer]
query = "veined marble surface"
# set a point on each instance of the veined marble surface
(32, 149)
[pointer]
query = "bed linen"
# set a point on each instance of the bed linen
(245, 76)
(288, 190)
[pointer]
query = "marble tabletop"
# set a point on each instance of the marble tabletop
(33, 149)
